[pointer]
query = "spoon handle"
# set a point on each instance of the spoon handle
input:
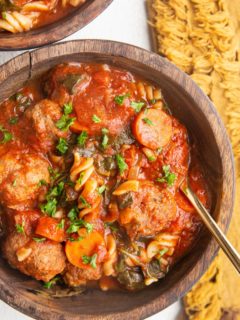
(212, 226)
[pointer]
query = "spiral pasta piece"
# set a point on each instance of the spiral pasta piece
(148, 92)
(108, 266)
(81, 170)
(18, 22)
(73, 3)
(163, 241)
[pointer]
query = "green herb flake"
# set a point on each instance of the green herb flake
(105, 140)
(61, 224)
(168, 177)
(7, 136)
(137, 106)
(151, 158)
(54, 173)
(14, 183)
(50, 207)
(163, 251)
(20, 227)
(90, 260)
(13, 120)
(122, 166)
(101, 189)
(55, 191)
(105, 131)
(42, 183)
(77, 224)
(148, 121)
(67, 108)
(96, 119)
(39, 240)
(79, 180)
(120, 99)
(49, 284)
(82, 138)
(62, 146)
(84, 202)
(65, 122)
(73, 214)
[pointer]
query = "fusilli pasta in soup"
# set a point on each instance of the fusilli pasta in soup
(24, 15)
(91, 164)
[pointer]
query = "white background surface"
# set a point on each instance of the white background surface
(126, 21)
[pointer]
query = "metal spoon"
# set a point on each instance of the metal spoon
(212, 226)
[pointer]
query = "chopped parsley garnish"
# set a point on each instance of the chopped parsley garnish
(67, 108)
(65, 122)
(54, 173)
(84, 202)
(61, 224)
(148, 121)
(105, 131)
(137, 106)
(39, 239)
(159, 150)
(73, 214)
(79, 180)
(163, 251)
(153, 101)
(50, 207)
(151, 158)
(42, 183)
(7, 136)
(14, 183)
(122, 166)
(101, 189)
(168, 177)
(120, 99)
(96, 119)
(13, 120)
(82, 138)
(77, 224)
(55, 191)
(20, 227)
(62, 146)
(90, 260)
(49, 284)
(104, 141)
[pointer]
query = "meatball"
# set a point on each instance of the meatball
(44, 116)
(20, 174)
(42, 261)
(151, 210)
(75, 276)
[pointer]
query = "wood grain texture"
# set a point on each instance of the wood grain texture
(57, 30)
(194, 109)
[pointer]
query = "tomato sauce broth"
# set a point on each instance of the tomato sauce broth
(117, 158)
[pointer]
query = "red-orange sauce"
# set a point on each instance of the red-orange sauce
(101, 232)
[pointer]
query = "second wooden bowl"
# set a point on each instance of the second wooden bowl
(55, 31)
(189, 104)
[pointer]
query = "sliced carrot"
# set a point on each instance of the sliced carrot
(88, 245)
(153, 128)
(50, 228)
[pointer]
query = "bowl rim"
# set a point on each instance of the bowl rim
(154, 61)
(50, 33)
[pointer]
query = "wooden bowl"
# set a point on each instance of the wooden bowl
(194, 109)
(55, 31)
